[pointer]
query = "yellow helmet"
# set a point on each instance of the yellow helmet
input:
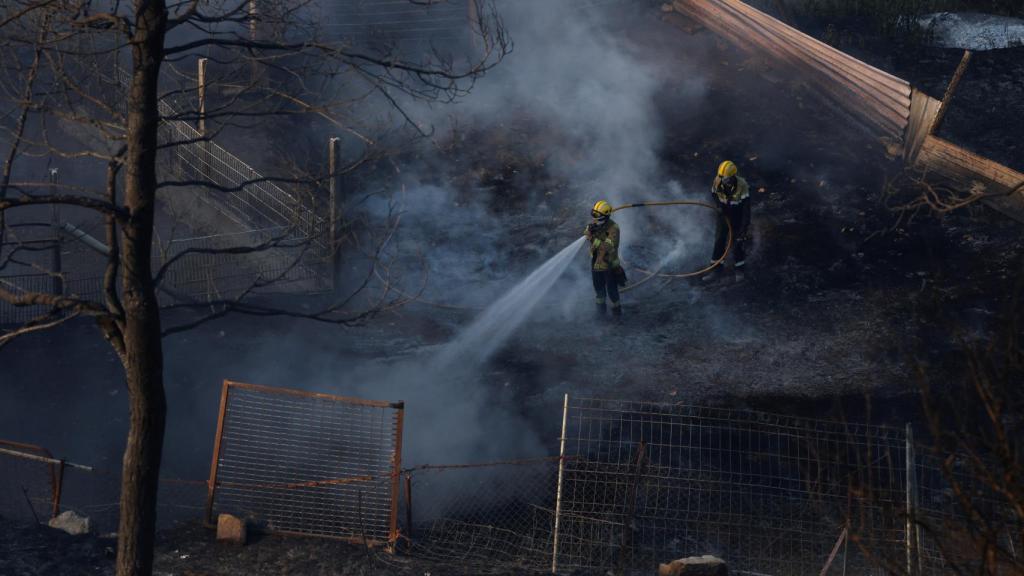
(601, 210)
(727, 169)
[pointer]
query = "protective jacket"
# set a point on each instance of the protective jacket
(604, 246)
(735, 203)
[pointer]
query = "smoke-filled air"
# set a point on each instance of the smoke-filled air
(510, 287)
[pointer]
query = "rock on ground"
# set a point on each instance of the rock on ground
(71, 523)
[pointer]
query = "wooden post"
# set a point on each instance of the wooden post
(252, 21)
(558, 492)
(254, 70)
(334, 185)
(201, 82)
(950, 90)
(57, 287)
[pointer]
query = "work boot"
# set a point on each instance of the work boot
(617, 311)
(601, 310)
(737, 271)
(710, 276)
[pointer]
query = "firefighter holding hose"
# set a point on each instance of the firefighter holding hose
(732, 195)
(603, 240)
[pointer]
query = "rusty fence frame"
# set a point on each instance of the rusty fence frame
(56, 471)
(393, 478)
(56, 467)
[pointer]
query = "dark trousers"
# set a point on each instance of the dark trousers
(604, 283)
(735, 216)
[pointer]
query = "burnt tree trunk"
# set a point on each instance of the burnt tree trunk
(142, 352)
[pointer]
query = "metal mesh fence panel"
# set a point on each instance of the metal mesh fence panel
(647, 482)
(293, 237)
(305, 463)
(397, 21)
(26, 486)
(493, 517)
(19, 285)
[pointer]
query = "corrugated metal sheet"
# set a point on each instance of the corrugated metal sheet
(878, 101)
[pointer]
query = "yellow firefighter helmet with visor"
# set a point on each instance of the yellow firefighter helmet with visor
(727, 169)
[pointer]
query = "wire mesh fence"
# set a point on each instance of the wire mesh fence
(27, 487)
(648, 482)
(305, 463)
(491, 517)
(267, 239)
(636, 484)
(398, 21)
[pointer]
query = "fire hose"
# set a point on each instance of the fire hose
(650, 275)
(658, 273)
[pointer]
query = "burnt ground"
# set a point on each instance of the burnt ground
(844, 299)
(30, 550)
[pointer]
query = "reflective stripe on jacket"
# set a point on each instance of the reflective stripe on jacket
(604, 247)
(738, 196)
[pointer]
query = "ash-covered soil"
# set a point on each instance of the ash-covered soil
(191, 550)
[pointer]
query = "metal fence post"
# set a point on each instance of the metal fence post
(333, 182)
(211, 486)
(558, 493)
(626, 549)
(408, 506)
(396, 473)
(58, 488)
(911, 502)
(57, 266)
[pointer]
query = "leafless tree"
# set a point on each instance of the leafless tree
(960, 505)
(102, 81)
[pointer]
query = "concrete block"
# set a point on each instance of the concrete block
(231, 529)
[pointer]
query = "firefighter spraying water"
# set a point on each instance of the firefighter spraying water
(606, 270)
